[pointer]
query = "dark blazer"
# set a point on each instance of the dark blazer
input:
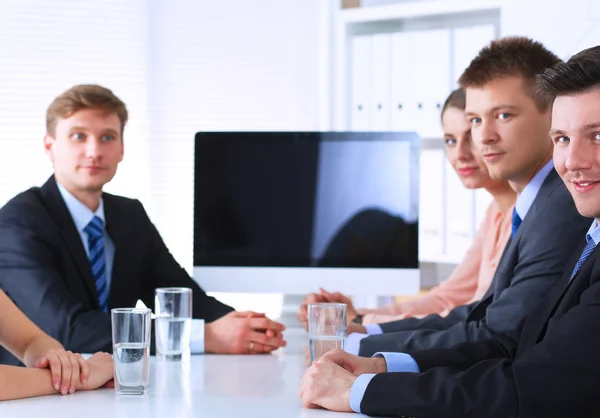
(45, 270)
(554, 370)
(532, 262)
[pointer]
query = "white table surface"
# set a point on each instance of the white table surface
(207, 386)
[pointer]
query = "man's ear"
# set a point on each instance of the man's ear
(122, 150)
(48, 145)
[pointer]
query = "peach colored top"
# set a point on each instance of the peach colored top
(468, 282)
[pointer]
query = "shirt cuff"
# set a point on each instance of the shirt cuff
(373, 329)
(352, 344)
(399, 362)
(197, 336)
(357, 392)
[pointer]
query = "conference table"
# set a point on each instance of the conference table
(207, 386)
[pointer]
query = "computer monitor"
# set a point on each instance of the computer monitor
(287, 212)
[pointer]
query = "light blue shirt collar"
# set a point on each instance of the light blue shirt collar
(80, 213)
(593, 233)
(527, 196)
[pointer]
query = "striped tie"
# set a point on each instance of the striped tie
(95, 233)
(584, 255)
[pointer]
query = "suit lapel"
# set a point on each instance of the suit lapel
(510, 254)
(551, 182)
(583, 271)
(560, 291)
(69, 234)
(582, 278)
(504, 259)
(118, 232)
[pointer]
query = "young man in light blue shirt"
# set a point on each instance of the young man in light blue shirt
(69, 252)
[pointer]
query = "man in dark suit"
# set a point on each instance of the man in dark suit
(553, 369)
(69, 252)
(510, 129)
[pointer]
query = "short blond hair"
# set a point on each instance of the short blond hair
(84, 96)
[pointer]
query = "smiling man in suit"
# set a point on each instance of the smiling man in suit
(553, 369)
(70, 252)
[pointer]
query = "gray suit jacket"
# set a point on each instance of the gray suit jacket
(532, 262)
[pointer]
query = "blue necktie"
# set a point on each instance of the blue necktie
(95, 232)
(584, 255)
(516, 222)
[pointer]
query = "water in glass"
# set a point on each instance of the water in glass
(173, 337)
(131, 367)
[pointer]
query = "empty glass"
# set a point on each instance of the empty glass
(173, 323)
(326, 328)
(131, 349)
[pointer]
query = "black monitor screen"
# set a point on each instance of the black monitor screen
(306, 199)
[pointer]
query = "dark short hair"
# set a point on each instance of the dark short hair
(456, 99)
(510, 56)
(84, 96)
(581, 73)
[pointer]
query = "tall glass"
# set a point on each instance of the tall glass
(131, 349)
(173, 323)
(326, 328)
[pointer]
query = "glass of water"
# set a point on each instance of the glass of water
(326, 328)
(131, 349)
(173, 323)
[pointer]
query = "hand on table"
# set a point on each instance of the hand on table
(326, 385)
(337, 297)
(70, 372)
(325, 297)
(354, 327)
(328, 381)
(303, 311)
(101, 372)
(355, 364)
(243, 333)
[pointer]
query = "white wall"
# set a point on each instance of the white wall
(223, 65)
(563, 26)
(44, 51)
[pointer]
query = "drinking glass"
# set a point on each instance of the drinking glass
(131, 349)
(326, 328)
(173, 323)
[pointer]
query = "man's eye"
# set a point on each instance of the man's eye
(450, 142)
